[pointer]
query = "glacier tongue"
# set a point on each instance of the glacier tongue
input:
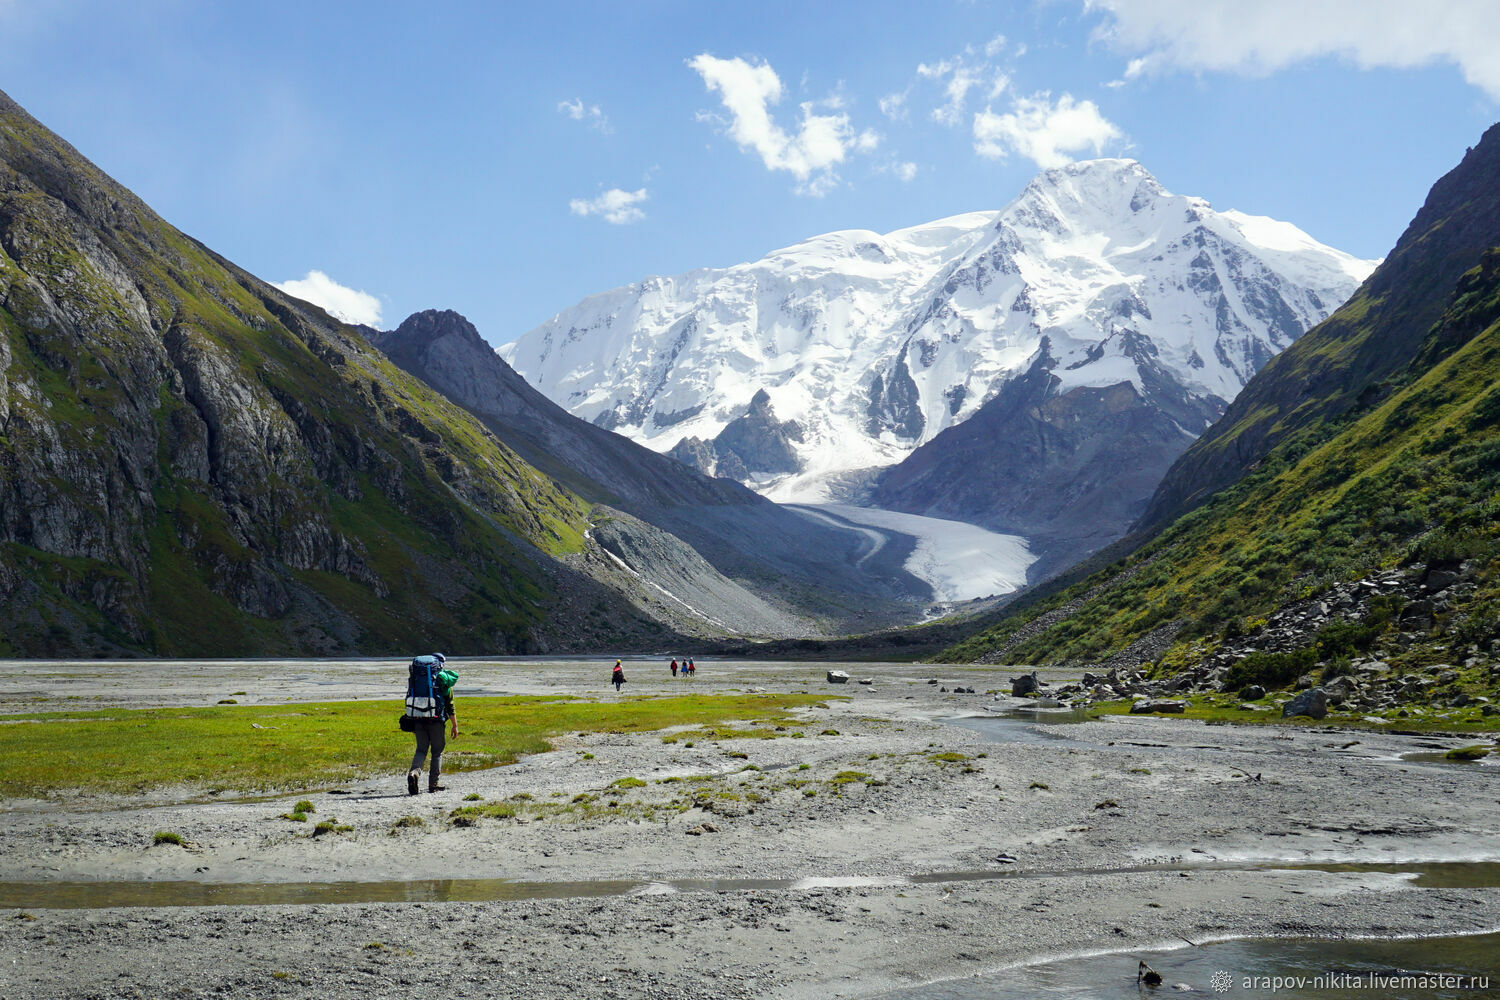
(869, 345)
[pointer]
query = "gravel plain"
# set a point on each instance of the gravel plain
(907, 835)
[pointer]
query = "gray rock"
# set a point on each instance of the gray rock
(1024, 686)
(1164, 706)
(837, 677)
(1312, 702)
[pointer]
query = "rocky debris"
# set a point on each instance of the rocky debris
(1368, 681)
(867, 681)
(1313, 703)
(701, 829)
(837, 677)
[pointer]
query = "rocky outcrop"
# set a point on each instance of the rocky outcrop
(756, 443)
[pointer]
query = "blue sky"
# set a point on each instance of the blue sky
(508, 159)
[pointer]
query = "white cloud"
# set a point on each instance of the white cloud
(1043, 130)
(336, 300)
(960, 77)
(893, 106)
(821, 142)
(1267, 35)
(902, 170)
(619, 207)
(590, 113)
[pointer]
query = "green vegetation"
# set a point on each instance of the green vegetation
(166, 837)
(1411, 476)
(325, 456)
(296, 746)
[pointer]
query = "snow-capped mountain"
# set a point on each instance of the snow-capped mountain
(845, 352)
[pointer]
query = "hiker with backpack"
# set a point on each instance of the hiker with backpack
(429, 703)
(617, 675)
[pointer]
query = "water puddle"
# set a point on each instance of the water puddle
(1296, 968)
(1441, 757)
(93, 895)
(1029, 725)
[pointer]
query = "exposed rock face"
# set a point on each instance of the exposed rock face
(757, 442)
(195, 463)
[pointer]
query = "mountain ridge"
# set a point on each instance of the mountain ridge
(184, 444)
(869, 348)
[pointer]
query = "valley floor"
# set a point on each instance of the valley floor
(911, 847)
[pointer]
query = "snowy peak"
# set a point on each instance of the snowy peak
(1088, 197)
(873, 344)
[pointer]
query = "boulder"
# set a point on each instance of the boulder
(1024, 686)
(837, 677)
(867, 681)
(1149, 707)
(1439, 579)
(1252, 692)
(1313, 703)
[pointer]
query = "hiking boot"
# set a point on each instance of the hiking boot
(435, 787)
(411, 782)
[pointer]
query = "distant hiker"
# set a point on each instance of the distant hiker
(429, 702)
(692, 668)
(617, 676)
(674, 669)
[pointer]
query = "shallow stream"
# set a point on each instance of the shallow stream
(1284, 968)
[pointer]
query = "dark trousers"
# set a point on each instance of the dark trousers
(430, 735)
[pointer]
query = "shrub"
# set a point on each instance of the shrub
(304, 806)
(1270, 670)
(166, 837)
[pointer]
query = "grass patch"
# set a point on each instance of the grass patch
(166, 837)
(295, 746)
(304, 806)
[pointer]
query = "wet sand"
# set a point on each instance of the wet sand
(1077, 803)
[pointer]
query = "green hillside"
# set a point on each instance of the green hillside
(195, 463)
(1403, 473)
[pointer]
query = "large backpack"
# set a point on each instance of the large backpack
(422, 701)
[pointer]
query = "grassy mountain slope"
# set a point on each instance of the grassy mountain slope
(195, 463)
(1372, 338)
(1364, 466)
